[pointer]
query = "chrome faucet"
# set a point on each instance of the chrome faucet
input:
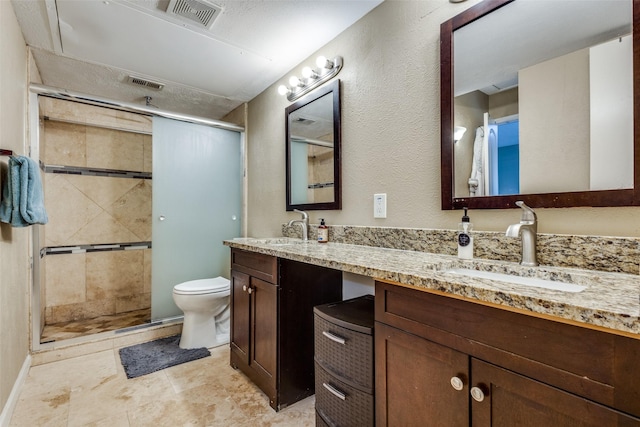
(527, 229)
(304, 223)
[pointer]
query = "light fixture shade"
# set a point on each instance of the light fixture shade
(312, 78)
(323, 62)
(458, 133)
(294, 81)
(308, 72)
(283, 90)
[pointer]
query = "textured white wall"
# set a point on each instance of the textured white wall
(390, 135)
(611, 90)
(554, 118)
(14, 267)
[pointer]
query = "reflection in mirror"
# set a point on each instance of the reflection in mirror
(313, 150)
(549, 106)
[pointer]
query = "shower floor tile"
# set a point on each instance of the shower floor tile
(67, 330)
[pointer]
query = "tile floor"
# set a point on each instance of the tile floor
(93, 390)
(67, 330)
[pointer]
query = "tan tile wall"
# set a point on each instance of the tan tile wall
(59, 109)
(321, 171)
(71, 144)
(87, 285)
(96, 210)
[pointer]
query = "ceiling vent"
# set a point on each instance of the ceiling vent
(303, 121)
(198, 12)
(138, 81)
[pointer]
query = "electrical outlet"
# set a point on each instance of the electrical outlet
(380, 205)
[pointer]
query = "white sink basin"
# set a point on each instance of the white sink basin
(519, 280)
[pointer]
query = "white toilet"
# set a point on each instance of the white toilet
(205, 303)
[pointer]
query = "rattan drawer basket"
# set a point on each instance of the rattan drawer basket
(345, 353)
(344, 377)
(340, 404)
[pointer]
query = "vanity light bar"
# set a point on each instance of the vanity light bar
(312, 78)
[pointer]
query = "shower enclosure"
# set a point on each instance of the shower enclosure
(112, 179)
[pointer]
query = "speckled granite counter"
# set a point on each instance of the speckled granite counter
(610, 300)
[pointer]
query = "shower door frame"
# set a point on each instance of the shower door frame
(35, 285)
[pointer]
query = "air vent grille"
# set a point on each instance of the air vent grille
(201, 13)
(144, 82)
(303, 120)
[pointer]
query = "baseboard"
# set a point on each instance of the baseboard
(12, 401)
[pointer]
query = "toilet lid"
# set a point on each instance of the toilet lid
(203, 286)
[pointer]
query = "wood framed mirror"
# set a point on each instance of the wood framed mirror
(313, 139)
(569, 151)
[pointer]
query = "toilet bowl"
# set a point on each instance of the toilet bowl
(205, 304)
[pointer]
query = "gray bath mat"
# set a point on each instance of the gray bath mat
(148, 357)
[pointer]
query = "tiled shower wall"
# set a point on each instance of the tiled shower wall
(90, 206)
(321, 174)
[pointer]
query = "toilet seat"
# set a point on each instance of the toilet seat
(202, 286)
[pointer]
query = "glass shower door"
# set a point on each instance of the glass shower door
(197, 201)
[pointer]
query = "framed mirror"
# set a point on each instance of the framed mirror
(313, 150)
(549, 97)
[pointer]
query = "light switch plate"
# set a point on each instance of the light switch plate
(380, 205)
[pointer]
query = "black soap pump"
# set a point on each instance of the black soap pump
(465, 239)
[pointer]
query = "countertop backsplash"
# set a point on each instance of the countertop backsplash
(601, 253)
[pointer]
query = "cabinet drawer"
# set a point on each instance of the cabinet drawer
(340, 404)
(258, 265)
(345, 353)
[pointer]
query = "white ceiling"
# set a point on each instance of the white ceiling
(92, 46)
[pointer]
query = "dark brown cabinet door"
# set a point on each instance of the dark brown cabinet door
(272, 304)
(414, 381)
(509, 399)
(240, 315)
(264, 329)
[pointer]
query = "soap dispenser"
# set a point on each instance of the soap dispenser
(323, 232)
(465, 239)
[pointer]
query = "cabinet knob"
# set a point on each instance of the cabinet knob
(250, 290)
(477, 394)
(244, 288)
(457, 383)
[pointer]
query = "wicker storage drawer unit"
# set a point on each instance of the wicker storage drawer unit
(340, 404)
(344, 362)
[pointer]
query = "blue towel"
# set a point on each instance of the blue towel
(22, 196)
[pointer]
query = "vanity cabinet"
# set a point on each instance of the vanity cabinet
(254, 326)
(271, 340)
(445, 361)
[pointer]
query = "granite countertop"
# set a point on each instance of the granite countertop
(609, 300)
